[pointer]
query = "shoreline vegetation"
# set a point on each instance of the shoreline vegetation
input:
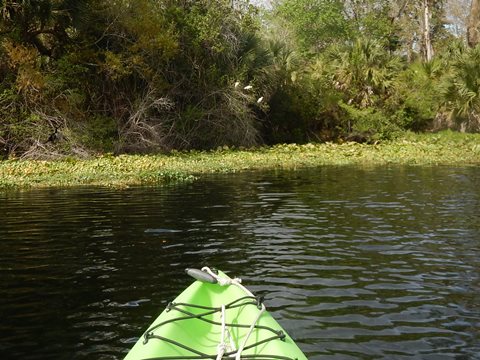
(443, 148)
(80, 78)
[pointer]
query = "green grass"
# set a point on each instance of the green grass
(445, 148)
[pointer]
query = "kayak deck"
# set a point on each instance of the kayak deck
(213, 321)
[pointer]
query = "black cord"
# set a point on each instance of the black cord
(253, 357)
(248, 300)
(234, 304)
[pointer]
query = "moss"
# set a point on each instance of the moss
(445, 148)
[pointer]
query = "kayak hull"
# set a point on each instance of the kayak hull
(191, 327)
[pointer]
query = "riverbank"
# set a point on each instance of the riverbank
(445, 148)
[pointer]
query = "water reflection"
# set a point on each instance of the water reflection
(379, 263)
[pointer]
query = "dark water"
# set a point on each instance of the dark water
(380, 263)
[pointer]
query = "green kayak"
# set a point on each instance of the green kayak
(215, 318)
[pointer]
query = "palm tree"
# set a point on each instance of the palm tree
(364, 71)
(461, 90)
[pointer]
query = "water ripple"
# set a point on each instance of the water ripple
(355, 263)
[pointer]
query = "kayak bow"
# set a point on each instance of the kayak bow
(215, 318)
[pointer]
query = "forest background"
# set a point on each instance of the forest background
(85, 77)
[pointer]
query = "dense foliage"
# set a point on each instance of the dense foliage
(95, 76)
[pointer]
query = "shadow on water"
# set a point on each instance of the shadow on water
(355, 263)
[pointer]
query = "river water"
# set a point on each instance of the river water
(355, 263)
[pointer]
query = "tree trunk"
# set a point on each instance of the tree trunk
(427, 40)
(473, 29)
(401, 8)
